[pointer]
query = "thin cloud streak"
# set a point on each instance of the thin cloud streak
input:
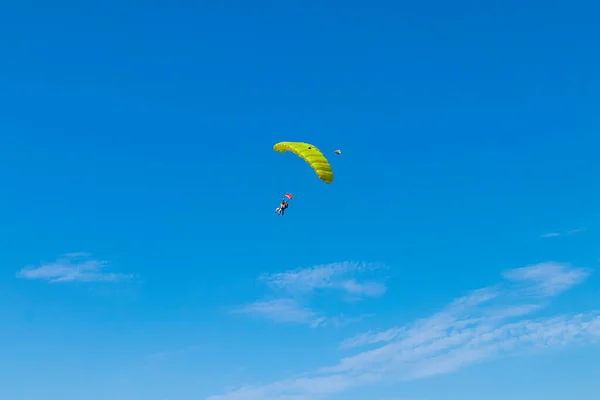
(485, 324)
(549, 235)
(557, 234)
(368, 289)
(72, 267)
(295, 287)
(328, 276)
(282, 311)
(550, 278)
(292, 311)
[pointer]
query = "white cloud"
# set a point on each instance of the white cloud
(457, 314)
(310, 388)
(549, 278)
(282, 310)
(549, 235)
(369, 289)
(557, 234)
(293, 311)
(70, 268)
(485, 324)
(328, 276)
(299, 284)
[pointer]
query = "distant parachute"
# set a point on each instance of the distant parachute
(311, 155)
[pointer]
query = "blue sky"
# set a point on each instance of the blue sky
(454, 256)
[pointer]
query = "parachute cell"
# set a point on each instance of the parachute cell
(311, 155)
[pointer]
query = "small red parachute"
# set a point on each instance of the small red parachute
(289, 196)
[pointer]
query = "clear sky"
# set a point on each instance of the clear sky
(453, 256)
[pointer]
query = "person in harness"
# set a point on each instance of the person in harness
(281, 209)
(284, 204)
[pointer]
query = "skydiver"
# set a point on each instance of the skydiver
(283, 206)
(281, 209)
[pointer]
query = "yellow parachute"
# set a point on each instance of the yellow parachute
(311, 155)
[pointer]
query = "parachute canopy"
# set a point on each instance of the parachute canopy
(289, 196)
(311, 155)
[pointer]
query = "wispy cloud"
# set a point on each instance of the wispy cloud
(70, 268)
(282, 310)
(293, 311)
(368, 289)
(487, 323)
(557, 234)
(548, 278)
(294, 288)
(549, 235)
(329, 276)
